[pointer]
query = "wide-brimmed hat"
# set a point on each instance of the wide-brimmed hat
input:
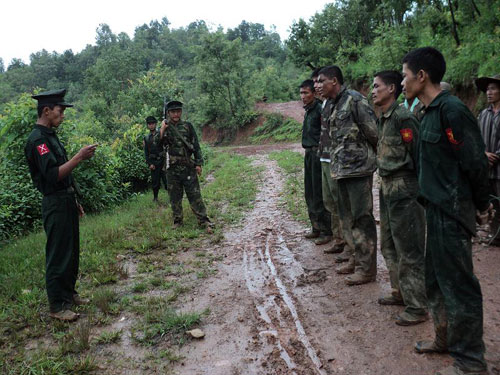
(483, 82)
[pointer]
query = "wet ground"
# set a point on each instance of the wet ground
(278, 307)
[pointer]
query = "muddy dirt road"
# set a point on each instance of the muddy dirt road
(277, 306)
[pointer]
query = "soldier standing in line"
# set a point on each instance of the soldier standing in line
(353, 132)
(319, 217)
(453, 181)
(489, 124)
(155, 157)
(402, 223)
(182, 142)
(50, 171)
(329, 186)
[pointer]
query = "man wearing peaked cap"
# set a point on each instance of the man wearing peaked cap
(50, 171)
(155, 157)
(185, 161)
(489, 124)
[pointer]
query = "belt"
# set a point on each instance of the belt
(68, 190)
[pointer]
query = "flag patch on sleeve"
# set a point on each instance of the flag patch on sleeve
(42, 149)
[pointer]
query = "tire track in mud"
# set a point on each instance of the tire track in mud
(263, 297)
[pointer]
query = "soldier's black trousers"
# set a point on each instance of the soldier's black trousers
(62, 251)
(453, 291)
(158, 176)
(319, 216)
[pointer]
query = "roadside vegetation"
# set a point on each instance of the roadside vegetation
(292, 164)
(277, 128)
(135, 268)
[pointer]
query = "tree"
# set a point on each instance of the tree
(223, 80)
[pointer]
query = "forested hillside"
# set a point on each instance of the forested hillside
(364, 37)
(219, 74)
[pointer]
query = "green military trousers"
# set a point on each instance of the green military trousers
(355, 202)
(453, 291)
(402, 240)
(62, 251)
(320, 218)
(329, 190)
(184, 178)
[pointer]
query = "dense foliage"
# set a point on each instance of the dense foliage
(364, 37)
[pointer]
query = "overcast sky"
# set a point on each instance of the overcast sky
(28, 26)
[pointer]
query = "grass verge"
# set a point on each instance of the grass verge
(292, 163)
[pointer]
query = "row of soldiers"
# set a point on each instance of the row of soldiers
(433, 183)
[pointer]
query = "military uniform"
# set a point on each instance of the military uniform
(155, 155)
(402, 231)
(328, 185)
(45, 154)
(353, 132)
(319, 217)
(453, 180)
(181, 173)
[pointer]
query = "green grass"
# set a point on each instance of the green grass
(138, 232)
(292, 163)
(277, 128)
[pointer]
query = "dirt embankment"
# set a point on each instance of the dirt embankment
(242, 135)
(278, 307)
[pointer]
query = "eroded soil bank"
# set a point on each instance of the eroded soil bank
(277, 306)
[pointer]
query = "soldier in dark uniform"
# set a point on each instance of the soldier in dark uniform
(402, 222)
(453, 181)
(155, 157)
(50, 171)
(182, 143)
(320, 218)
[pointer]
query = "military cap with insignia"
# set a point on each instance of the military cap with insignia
(174, 104)
(483, 82)
(151, 120)
(53, 97)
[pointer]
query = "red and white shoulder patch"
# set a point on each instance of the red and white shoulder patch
(43, 149)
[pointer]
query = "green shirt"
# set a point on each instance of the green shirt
(397, 141)
(45, 154)
(353, 131)
(177, 148)
(452, 165)
(311, 127)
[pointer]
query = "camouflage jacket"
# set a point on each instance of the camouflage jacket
(180, 153)
(311, 126)
(353, 131)
(452, 165)
(325, 142)
(153, 150)
(397, 141)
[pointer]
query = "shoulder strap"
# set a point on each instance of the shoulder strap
(189, 147)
